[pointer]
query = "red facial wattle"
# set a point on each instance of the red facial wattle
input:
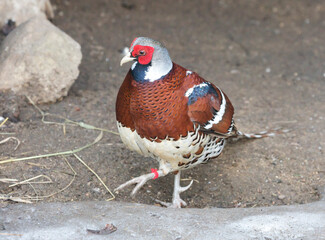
(143, 54)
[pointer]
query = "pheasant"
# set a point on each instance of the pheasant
(170, 113)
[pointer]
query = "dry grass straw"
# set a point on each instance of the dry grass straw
(5, 133)
(11, 234)
(14, 199)
(8, 180)
(28, 199)
(61, 190)
(3, 122)
(67, 121)
(69, 152)
(11, 138)
(30, 180)
(110, 192)
(190, 179)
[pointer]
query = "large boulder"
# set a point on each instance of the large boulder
(39, 60)
(20, 11)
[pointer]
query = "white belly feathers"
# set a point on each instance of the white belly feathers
(170, 153)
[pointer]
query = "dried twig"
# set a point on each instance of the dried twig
(108, 229)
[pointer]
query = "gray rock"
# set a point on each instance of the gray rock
(39, 60)
(135, 221)
(21, 11)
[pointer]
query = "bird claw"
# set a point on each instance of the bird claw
(183, 189)
(139, 181)
(177, 203)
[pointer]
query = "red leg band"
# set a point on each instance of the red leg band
(153, 170)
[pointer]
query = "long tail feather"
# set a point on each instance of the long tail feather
(263, 134)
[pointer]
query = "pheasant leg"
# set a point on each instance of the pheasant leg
(140, 181)
(177, 201)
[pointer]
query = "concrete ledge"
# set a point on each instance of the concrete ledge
(136, 221)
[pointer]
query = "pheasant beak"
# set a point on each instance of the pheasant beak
(127, 58)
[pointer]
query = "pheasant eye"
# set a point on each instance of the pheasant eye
(142, 52)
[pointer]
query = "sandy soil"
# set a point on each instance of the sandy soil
(269, 57)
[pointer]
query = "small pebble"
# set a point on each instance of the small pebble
(2, 227)
(281, 197)
(277, 31)
(235, 71)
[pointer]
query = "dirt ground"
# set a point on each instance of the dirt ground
(268, 56)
